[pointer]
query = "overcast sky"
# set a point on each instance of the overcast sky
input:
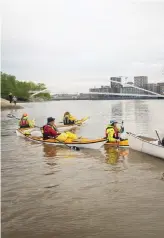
(72, 45)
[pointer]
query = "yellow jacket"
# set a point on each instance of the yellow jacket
(69, 117)
(110, 133)
(72, 118)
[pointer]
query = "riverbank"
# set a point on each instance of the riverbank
(7, 105)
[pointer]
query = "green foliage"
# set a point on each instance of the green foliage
(20, 89)
(45, 96)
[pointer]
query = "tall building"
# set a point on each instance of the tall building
(152, 87)
(131, 90)
(140, 81)
(116, 87)
(160, 88)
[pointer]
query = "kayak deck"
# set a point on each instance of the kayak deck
(68, 141)
(81, 142)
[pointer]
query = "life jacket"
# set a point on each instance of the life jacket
(24, 123)
(68, 119)
(46, 134)
(108, 127)
(116, 132)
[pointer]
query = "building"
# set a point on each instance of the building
(151, 87)
(160, 88)
(65, 96)
(102, 89)
(140, 81)
(116, 87)
(131, 90)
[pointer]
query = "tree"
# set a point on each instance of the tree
(19, 88)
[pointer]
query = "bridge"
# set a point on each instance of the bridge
(139, 95)
(33, 93)
(127, 94)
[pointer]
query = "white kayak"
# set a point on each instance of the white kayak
(146, 145)
(63, 128)
(80, 143)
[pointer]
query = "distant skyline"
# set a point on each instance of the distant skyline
(74, 45)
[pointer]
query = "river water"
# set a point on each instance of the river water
(50, 192)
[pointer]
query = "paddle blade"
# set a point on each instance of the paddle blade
(10, 116)
(75, 148)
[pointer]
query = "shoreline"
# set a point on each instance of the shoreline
(7, 105)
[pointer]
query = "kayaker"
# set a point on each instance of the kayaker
(50, 130)
(69, 119)
(25, 122)
(112, 131)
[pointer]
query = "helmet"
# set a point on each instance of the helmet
(112, 122)
(25, 115)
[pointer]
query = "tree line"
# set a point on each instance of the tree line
(20, 89)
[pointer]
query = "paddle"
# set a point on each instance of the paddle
(12, 116)
(158, 137)
(122, 126)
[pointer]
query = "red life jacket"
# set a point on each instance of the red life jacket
(49, 131)
(116, 131)
(24, 123)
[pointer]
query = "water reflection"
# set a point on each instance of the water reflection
(50, 191)
(117, 156)
(50, 151)
(142, 116)
(117, 110)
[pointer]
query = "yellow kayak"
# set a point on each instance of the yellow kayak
(80, 122)
(80, 142)
(122, 143)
